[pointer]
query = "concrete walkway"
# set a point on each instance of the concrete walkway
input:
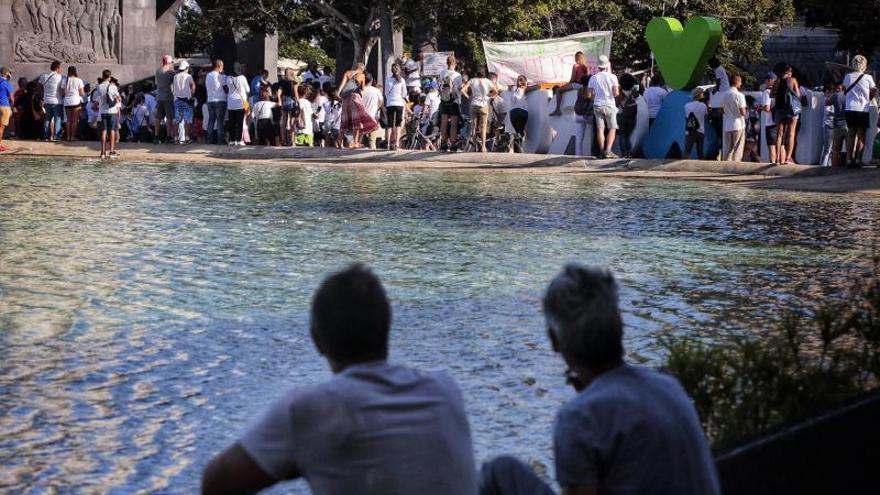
(754, 175)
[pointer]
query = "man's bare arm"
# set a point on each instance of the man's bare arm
(233, 472)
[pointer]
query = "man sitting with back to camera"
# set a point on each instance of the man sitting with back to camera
(373, 428)
(630, 430)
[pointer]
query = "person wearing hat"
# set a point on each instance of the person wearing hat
(604, 90)
(183, 88)
(6, 101)
(695, 112)
(164, 97)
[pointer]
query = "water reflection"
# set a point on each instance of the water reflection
(147, 311)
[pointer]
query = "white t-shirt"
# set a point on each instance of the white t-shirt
(180, 87)
(372, 99)
(699, 110)
(414, 78)
(372, 428)
(72, 88)
(518, 99)
(432, 102)
(654, 98)
(859, 97)
(263, 109)
(478, 89)
(395, 92)
(141, 116)
(52, 87)
(454, 77)
(214, 83)
(305, 113)
(603, 84)
(151, 103)
(100, 95)
(238, 88)
(731, 102)
(320, 108)
(767, 100)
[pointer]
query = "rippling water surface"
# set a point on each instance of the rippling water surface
(149, 311)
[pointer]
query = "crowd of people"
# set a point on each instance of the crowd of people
(381, 428)
(454, 110)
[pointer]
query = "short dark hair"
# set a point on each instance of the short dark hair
(106, 74)
(351, 316)
(55, 65)
(581, 308)
(480, 73)
(368, 78)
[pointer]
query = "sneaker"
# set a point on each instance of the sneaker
(609, 154)
(103, 156)
(114, 154)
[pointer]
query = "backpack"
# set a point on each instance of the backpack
(583, 104)
(446, 92)
(692, 124)
(630, 107)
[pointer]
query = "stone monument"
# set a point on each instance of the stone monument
(128, 37)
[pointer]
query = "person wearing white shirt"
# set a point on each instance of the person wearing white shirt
(860, 89)
(477, 91)
(733, 106)
(215, 83)
(106, 98)
(412, 69)
(395, 101)
(722, 85)
(74, 91)
(604, 89)
(432, 100)
(695, 111)
(235, 105)
(262, 116)
(450, 98)
(766, 108)
(654, 97)
(305, 127)
(183, 87)
(53, 93)
(373, 102)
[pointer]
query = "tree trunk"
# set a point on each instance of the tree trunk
(225, 47)
(425, 32)
(386, 32)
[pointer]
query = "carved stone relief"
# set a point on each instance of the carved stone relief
(72, 31)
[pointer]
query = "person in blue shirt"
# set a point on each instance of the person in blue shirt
(257, 83)
(6, 101)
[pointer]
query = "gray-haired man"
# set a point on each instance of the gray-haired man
(629, 429)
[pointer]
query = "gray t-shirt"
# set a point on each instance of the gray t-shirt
(374, 428)
(633, 430)
(164, 77)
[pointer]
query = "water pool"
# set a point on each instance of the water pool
(148, 311)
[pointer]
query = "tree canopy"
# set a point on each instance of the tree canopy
(462, 25)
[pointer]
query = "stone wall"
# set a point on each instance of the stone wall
(124, 36)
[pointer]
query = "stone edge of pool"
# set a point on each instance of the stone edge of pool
(755, 175)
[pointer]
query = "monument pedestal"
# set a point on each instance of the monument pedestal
(128, 37)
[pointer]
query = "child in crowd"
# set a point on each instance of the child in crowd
(262, 115)
(333, 108)
(141, 120)
(694, 123)
(305, 124)
(578, 71)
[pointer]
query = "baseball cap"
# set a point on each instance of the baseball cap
(604, 63)
(183, 65)
(167, 59)
(771, 75)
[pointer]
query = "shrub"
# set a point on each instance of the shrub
(810, 360)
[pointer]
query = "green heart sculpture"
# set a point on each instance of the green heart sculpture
(682, 53)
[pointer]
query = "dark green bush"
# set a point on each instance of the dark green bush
(810, 360)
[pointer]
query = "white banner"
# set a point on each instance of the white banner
(545, 61)
(433, 63)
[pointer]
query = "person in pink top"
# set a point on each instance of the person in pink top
(578, 71)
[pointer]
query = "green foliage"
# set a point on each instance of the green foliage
(304, 51)
(807, 363)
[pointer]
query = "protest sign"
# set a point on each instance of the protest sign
(545, 61)
(433, 63)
